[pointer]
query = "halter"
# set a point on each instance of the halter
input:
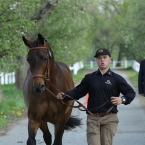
(47, 72)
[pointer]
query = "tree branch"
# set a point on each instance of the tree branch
(45, 10)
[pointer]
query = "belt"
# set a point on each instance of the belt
(101, 114)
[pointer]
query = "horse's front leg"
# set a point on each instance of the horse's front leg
(59, 130)
(46, 134)
(33, 126)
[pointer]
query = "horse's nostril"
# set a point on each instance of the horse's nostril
(42, 86)
(39, 89)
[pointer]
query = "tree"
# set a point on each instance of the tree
(65, 30)
(14, 22)
(18, 18)
(135, 40)
(119, 27)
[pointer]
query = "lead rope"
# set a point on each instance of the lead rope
(80, 105)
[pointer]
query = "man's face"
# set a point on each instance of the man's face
(103, 61)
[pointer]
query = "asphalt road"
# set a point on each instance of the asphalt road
(131, 129)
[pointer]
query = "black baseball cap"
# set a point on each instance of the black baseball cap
(102, 51)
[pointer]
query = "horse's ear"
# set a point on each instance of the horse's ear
(41, 39)
(27, 42)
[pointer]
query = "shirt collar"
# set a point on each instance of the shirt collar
(109, 72)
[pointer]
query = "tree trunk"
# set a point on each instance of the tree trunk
(119, 57)
(45, 10)
(21, 72)
(19, 77)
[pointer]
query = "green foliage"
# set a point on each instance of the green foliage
(65, 29)
(136, 24)
(74, 29)
(15, 21)
(119, 27)
(105, 31)
(12, 106)
(3, 121)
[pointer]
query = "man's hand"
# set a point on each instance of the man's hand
(116, 100)
(60, 96)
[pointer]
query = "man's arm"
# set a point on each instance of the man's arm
(79, 91)
(126, 90)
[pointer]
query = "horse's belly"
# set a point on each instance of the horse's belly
(56, 111)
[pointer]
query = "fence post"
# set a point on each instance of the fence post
(135, 65)
(91, 64)
(126, 63)
(2, 79)
(114, 63)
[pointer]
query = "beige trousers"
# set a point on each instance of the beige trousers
(101, 130)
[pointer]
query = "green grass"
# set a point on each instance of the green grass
(12, 106)
(81, 73)
(133, 76)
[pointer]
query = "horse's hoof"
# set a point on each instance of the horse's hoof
(31, 142)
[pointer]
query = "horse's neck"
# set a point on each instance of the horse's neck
(53, 72)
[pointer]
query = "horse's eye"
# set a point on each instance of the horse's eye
(45, 59)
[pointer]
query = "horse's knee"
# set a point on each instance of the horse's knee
(31, 142)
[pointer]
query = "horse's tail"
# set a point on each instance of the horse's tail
(72, 123)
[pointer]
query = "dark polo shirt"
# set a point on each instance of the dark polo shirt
(101, 88)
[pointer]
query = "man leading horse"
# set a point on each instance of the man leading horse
(102, 86)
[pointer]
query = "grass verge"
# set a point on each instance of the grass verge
(79, 76)
(12, 106)
(133, 76)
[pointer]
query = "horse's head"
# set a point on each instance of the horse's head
(40, 58)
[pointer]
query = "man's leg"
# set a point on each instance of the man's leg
(108, 129)
(93, 130)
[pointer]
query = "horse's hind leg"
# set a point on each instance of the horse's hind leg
(46, 134)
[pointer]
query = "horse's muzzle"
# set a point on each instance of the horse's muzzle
(39, 89)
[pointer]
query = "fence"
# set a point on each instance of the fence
(135, 65)
(77, 66)
(9, 78)
(123, 64)
(113, 64)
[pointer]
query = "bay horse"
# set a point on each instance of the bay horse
(42, 106)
